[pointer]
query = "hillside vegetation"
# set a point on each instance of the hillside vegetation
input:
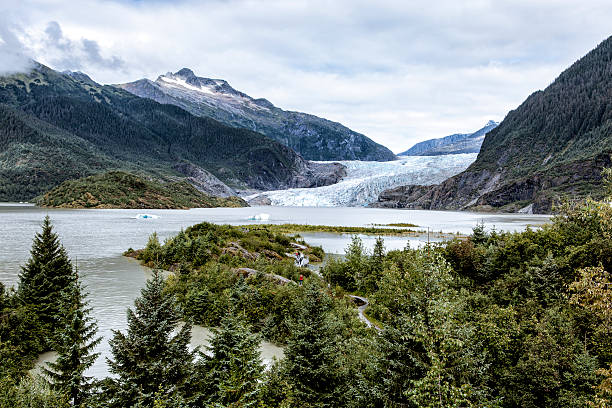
(123, 190)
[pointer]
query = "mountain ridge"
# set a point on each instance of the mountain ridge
(313, 137)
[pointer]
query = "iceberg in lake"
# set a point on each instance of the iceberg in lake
(259, 217)
(365, 180)
(146, 216)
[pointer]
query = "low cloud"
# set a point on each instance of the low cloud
(67, 54)
(13, 54)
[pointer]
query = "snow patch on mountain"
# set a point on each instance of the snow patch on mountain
(181, 83)
(365, 180)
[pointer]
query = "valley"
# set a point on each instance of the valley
(170, 241)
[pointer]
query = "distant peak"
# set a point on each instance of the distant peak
(188, 79)
(78, 75)
(185, 73)
(492, 123)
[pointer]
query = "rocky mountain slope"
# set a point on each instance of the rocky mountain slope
(554, 144)
(59, 126)
(312, 137)
(453, 144)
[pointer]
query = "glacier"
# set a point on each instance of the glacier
(365, 180)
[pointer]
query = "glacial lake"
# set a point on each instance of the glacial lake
(95, 239)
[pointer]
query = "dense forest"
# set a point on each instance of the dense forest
(55, 127)
(498, 320)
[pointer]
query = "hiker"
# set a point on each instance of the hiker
(301, 279)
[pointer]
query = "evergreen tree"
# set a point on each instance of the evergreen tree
(479, 235)
(311, 353)
(74, 345)
(47, 273)
(235, 368)
(356, 262)
(149, 359)
(375, 268)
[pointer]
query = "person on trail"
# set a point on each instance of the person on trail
(300, 258)
(301, 279)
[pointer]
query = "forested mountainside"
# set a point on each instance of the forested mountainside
(554, 144)
(313, 137)
(118, 189)
(58, 126)
(452, 144)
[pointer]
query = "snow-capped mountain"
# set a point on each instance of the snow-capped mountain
(313, 137)
(453, 144)
(364, 181)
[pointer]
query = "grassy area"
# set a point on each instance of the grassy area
(296, 228)
(118, 189)
(397, 224)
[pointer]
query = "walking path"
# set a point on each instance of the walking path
(361, 310)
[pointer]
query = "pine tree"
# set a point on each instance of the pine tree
(46, 275)
(311, 352)
(74, 345)
(235, 368)
(149, 358)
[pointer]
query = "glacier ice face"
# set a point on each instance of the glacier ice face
(365, 180)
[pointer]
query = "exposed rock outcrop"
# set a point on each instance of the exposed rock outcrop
(485, 191)
(204, 180)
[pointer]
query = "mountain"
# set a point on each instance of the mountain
(554, 144)
(312, 137)
(453, 144)
(59, 126)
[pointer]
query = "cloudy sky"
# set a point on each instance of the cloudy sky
(397, 71)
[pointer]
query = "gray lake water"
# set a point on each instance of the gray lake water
(95, 239)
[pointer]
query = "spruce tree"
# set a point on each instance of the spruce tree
(149, 359)
(74, 344)
(235, 368)
(46, 275)
(311, 352)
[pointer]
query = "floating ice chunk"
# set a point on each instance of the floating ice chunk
(259, 217)
(146, 216)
